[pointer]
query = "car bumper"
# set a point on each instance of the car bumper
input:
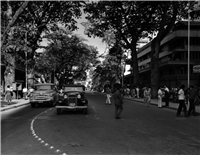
(70, 107)
(41, 101)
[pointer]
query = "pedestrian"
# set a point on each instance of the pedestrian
(108, 96)
(30, 91)
(167, 95)
(160, 95)
(25, 91)
(138, 92)
(133, 93)
(181, 99)
(8, 94)
(118, 100)
(192, 95)
(147, 96)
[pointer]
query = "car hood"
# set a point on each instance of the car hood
(43, 91)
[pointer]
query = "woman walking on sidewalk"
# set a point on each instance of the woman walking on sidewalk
(8, 94)
(160, 98)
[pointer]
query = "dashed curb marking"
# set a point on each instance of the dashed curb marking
(45, 144)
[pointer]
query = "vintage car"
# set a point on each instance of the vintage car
(72, 97)
(44, 93)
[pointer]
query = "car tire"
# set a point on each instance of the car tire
(85, 111)
(52, 104)
(33, 105)
(58, 111)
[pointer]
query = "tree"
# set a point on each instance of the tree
(67, 57)
(12, 20)
(39, 17)
(167, 13)
(128, 20)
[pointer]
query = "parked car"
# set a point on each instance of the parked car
(72, 97)
(44, 93)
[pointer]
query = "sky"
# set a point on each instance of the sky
(96, 42)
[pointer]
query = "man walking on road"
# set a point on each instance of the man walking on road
(118, 101)
(192, 94)
(181, 99)
(167, 95)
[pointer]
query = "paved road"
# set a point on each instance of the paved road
(143, 130)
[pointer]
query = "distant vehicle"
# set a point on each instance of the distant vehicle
(44, 93)
(72, 97)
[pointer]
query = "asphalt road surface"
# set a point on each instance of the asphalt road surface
(141, 131)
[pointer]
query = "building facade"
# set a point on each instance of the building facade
(173, 66)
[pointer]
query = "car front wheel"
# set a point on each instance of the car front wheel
(85, 111)
(58, 111)
(33, 105)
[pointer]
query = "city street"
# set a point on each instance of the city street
(142, 130)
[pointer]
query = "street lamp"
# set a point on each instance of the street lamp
(26, 60)
(194, 9)
(189, 46)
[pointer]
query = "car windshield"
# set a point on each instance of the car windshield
(44, 87)
(73, 89)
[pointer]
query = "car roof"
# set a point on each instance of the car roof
(73, 85)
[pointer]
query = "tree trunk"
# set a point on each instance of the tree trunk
(14, 18)
(134, 65)
(30, 78)
(9, 74)
(155, 48)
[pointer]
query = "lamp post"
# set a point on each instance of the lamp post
(26, 61)
(195, 8)
(189, 46)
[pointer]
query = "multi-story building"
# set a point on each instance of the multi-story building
(173, 57)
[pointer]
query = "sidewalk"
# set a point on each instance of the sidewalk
(155, 103)
(14, 104)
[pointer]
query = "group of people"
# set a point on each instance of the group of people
(133, 93)
(184, 96)
(9, 93)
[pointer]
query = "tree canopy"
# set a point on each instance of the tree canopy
(67, 56)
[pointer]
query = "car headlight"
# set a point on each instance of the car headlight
(65, 96)
(61, 94)
(51, 94)
(78, 96)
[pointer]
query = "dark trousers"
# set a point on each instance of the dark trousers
(167, 101)
(118, 110)
(192, 107)
(182, 105)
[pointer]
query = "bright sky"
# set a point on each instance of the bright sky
(96, 42)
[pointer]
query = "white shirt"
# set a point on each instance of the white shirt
(181, 94)
(24, 90)
(160, 92)
(167, 89)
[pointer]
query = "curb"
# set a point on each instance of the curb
(173, 108)
(151, 103)
(14, 106)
